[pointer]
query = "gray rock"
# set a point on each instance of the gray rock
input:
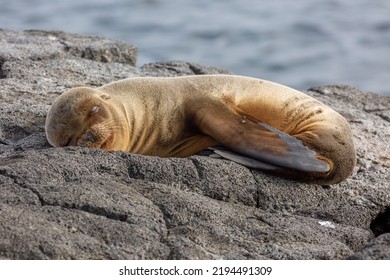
(38, 45)
(376, 249)
(178, 68)
(79, 203)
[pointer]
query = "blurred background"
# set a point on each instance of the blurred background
(300, 43)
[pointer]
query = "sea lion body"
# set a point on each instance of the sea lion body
(181, 116)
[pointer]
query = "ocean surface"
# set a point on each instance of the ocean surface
(300, 43)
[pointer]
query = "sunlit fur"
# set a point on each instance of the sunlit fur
(180, 116)
(76, 117)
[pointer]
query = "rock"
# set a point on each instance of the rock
(376, 249)
(178, 68)
(39, 45)
(79, 203)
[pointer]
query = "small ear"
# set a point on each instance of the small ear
(105, 96)
(95, 109)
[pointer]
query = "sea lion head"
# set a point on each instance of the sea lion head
(84, 117)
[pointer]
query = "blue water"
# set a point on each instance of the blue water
(300, 43)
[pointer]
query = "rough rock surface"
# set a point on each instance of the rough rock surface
(79, 203)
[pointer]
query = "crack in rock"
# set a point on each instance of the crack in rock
(2, 74)
(381, 223)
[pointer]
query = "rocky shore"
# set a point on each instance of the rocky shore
(79, 203)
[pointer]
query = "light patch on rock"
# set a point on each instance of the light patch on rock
(327, 224)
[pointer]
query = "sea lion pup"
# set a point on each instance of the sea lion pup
(259, 123)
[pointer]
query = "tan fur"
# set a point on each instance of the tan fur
(168, 117)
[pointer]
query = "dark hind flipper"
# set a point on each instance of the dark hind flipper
(298, 157)
(252, 139)
(222, 152)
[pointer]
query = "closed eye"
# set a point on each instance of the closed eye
(95, 109)
(90, 137)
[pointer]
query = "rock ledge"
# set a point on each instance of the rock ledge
(78, 203)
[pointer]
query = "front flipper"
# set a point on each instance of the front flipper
(253, 139)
